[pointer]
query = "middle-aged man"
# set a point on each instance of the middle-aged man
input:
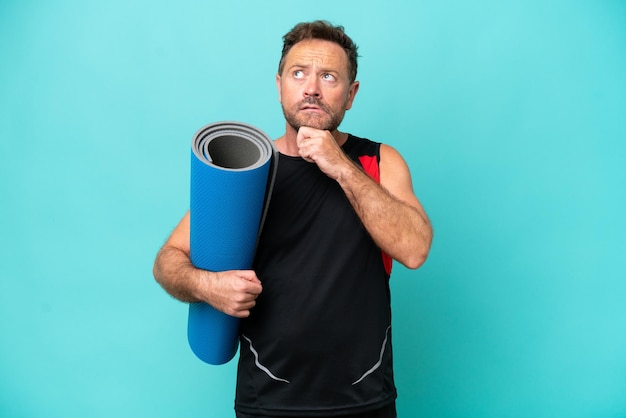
(316, 333)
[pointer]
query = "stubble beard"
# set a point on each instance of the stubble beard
(329, 121)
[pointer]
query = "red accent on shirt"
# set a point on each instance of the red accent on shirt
(370, 165)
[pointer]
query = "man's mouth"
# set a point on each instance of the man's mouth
(310, 107)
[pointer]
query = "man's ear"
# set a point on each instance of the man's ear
(354, 88)
(278, 79)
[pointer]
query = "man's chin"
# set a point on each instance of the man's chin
(315, 123)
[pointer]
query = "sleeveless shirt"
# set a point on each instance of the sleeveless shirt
(318, 341)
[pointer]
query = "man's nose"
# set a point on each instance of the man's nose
(312, 88)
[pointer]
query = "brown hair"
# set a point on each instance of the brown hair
(320, 29)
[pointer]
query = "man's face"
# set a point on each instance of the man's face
(314, 88)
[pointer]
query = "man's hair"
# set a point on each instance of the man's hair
(320, 29)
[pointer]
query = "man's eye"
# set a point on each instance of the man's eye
(328, 77)
(298, 74)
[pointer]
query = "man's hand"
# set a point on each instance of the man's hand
(320, 147)
(233, 292)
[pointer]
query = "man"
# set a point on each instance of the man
(316, 333)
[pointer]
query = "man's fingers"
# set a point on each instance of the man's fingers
(243, 309)
(250, 287)
(249, 275)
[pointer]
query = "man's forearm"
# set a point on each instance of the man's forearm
(399, 229)
(176, 274)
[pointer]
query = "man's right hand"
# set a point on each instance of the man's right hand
(233, 292)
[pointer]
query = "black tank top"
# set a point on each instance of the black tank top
(318, 342)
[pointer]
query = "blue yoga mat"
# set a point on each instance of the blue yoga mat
(232, 173)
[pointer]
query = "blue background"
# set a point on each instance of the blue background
(509, 113)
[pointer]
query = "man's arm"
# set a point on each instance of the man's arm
(390, 211)
(232, 292)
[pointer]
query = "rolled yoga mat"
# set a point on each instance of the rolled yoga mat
(233, 167)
